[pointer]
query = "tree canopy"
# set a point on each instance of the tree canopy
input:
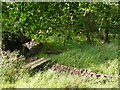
(39, 20)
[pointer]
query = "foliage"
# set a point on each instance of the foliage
(57, 24)
(12, 66)
(39, 20)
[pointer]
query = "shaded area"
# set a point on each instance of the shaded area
(19, 42)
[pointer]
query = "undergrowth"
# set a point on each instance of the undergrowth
(50, 79)
(100, 58)
(12, 66)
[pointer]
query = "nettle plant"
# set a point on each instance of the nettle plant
(12, 66)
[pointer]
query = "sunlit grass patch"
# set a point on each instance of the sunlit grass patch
(51, 79)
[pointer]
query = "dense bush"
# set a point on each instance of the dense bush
(12, 66)
(13, 41)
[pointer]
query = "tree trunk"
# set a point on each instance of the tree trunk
(64, 44)
(88, 38)
(114, 35)
(106, 37)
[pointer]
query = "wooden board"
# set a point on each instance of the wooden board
(36, 63)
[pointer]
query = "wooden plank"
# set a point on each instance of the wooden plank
(36, 63)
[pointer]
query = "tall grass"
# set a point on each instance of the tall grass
(50, 79)
(100, 58)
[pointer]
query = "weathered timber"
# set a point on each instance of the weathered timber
(34, 50)
(53, 52)
(36, 63)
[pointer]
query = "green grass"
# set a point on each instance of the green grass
(51, 80)
(101, 58)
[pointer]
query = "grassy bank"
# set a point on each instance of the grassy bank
(101, 58)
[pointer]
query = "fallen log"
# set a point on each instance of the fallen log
(54, 52)
(34, 50)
